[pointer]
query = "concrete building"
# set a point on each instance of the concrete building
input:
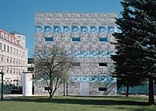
(13, 57)
(87, 37)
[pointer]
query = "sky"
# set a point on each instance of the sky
(19, 15)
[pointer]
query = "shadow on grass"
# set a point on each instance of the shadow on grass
(81, 100)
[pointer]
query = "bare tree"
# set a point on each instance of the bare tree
(52, 64)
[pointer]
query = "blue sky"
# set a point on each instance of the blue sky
(19, 15)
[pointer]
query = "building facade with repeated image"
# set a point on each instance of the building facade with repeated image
(86, 37)
(13, 57)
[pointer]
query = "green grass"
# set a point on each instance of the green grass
(73, 103)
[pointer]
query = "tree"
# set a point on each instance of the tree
(145, 30)
(136, 47)
(52, 64)
(126, 69)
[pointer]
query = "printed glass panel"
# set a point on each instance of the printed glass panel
(84, 29)
(111, 29)
(66, 29)
(57, 28)
(75, 78)
(102, 78)
(48, 29)
(90, 53)
(75, 29)
(84, 79)
(103, 29)
(111, 79)
(39, 29)
(93, 78)
(93, 29)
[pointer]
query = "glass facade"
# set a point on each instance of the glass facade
(49, 29)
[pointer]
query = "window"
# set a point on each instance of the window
(4, 47)
(75, 64)
(103, 29)
(17, 51)
(14, 61)
(57, 29)
(75, 29)
(93, 29)
(8, 48)
(111, 29)
(48, 39)
(11, 49)
(2, 58)
(39, 29)
(14, 51)
(84, 29)
(102, 64)
(10, 59)
(0, 46)
(30, 60)
(76, 39)
(103, 39)
(48, 29)
(66, 29)
(7, 70)
(14, 70)
(7, 59)
(30, 68)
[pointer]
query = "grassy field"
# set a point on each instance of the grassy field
(73, 103)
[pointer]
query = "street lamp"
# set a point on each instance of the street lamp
(2, 74)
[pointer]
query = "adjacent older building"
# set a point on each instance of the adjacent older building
(13, 57)
(87, 37)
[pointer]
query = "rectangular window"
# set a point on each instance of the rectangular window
(11, 49)
(4, 47)
(103, 39)
(103, 64)
(7, 59)
(2, 58)
(48, 39)
(0, 46)
(30, 60)
(75, 64)
(10, 59)
(8, 48)
(30, 68)
(75, 39)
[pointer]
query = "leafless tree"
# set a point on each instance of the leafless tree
(52, 64)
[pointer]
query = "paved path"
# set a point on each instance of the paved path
(10, 96)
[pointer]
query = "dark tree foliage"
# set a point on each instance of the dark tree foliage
(127, 51)
(136, 44)
(145, 30)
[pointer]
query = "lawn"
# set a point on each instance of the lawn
(73, 103)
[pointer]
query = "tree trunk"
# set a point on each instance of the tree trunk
(64, 88)
(127, 90)
(151, 91)
(50, 93)
(53, 92)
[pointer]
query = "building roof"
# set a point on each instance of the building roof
(15, 32)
